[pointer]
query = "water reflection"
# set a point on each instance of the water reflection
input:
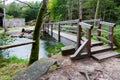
(24, 51)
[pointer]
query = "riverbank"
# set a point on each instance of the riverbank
(9, 67)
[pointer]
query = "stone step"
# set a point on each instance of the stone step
(105, 55)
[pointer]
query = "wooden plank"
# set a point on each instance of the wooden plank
(59, 32)
(68, 50)
(71, 27)
(79, 36)
(105, 55)
(104, 31)
(69, 21)
(73, 37)
(88, 48)
(107, 24)
(91, 20)
(85, 25)
(16, 45)
(77, 54)
(104, 39)
(111, 29)
(96, 43)
(98, 49)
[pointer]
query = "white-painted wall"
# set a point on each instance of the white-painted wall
(15, 22)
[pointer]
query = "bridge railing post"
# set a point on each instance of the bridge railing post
(99, 32)
(51, 29)
(111, 36)
(59, 32)
(88, 47)
(79, 35)
(48, 28)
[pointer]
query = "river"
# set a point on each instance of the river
(24, 51)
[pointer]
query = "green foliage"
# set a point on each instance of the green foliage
(13, 59)
(57, 9)
(9, 17)
(30, 13)
(13, 9)
(117, 33)
(54, 49)
(18, 10)
(4, 40)
(118, 50)
(10, 66)
(109, 10)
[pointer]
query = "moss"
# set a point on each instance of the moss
(9, 67)
(36, 35)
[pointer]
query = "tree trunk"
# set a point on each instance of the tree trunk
(36, 35)
(96, 13)
(80, 9)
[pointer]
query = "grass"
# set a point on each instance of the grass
(9, 67)
(52, 50)
(117, 33)
(118, 50)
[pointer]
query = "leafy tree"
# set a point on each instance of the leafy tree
(30, 13)
(57, 10)
(14, 10)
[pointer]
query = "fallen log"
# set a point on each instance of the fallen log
(16, 45)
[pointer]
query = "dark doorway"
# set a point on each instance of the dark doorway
(1, 17)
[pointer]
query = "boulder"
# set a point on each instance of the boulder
(36, 70)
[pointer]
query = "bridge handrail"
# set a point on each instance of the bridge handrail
(107, 24)
(85, 25)
(91, 20)
(109, 32)
(73, 21)
(16, 45)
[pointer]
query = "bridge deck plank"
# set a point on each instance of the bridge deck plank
(73, 37)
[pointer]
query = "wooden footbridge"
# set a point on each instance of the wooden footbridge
(82, 34)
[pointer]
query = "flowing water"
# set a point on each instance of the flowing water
(24, 51)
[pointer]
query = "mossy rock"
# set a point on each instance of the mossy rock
(36, 70)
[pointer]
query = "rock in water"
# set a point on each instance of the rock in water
(36, 70)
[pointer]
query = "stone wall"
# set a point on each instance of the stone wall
(15, 22)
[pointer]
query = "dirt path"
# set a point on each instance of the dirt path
(109, 69)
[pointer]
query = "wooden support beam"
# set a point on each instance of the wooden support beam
(85, 25)
(51, 29)
(107, 32)
(88, 47)
(59, 32)
(107, 24)
(104, 39)
(77, 54)
(111, 36)
(16, 45)
(79, 36)
(98, 31)
(48, 28)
